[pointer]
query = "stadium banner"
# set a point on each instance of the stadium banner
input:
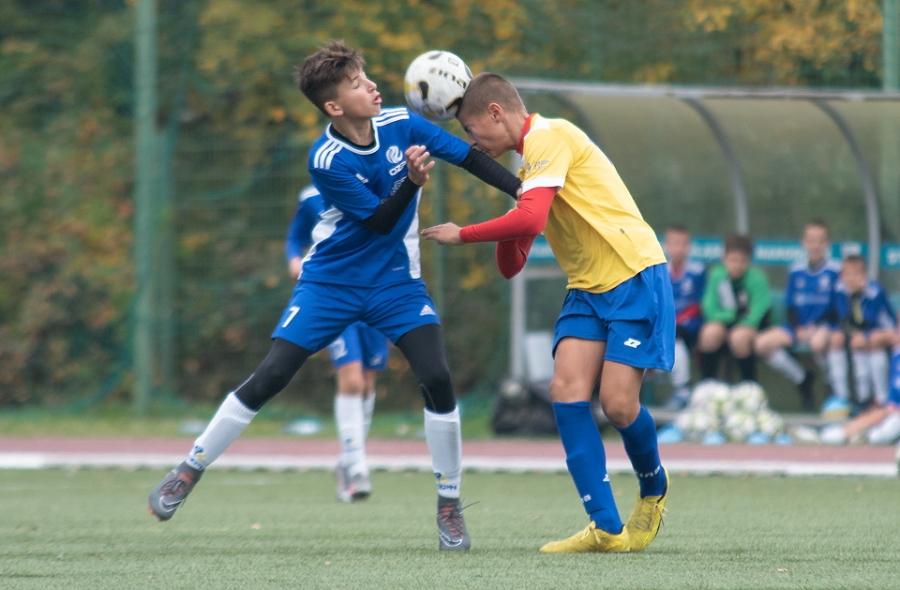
(765, 252)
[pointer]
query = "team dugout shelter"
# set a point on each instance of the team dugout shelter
(760, 162)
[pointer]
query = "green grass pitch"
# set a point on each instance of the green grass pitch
(259, 530)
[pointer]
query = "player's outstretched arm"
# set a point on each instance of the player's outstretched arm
(512, 255)
(527, 220)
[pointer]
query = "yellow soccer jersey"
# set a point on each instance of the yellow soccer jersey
(595, 229)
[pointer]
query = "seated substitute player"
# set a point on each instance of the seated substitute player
(363, 266)
(809, 303)
(736, 305)
(688, 280)
(866, 323)
(356, 355)
(881, 423)
(618, 317)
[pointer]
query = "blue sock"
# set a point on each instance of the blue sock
(640, 444)
(586, 459)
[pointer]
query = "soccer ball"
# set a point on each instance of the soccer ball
(710, 395)
(435, 83)
(740, 425)
(695, 423)
(769, 422)
(747, 396)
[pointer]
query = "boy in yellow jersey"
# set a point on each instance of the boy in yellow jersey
(618, 317)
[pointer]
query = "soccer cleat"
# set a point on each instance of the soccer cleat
(172, 491)
(835, 408)
(646, 517)
(452, 535)
(352, 488)
(670, 434)
(713, 437)
(833, 434)
(887, 431)
(591, 540)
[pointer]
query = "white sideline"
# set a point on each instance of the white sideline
(32, 460)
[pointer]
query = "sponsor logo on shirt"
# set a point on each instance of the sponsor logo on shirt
(536, 166)
(393, 154)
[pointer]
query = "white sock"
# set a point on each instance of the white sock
(681, 370)
(229, 422)
(837, 373)
(787, 365)
(878, 363)
(863, 375)
(350, 421)
(368, 410)
(443, 434)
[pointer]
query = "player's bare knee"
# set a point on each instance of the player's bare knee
(620, 411)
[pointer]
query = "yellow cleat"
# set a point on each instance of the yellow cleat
(590, 539)
(646, 518)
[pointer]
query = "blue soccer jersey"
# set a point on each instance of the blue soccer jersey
(353, 180)
(310, 207)
(687, 288)
(869, 310)
(809, 296)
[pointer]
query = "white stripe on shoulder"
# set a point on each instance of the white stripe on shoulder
(833, 265)
(391, 111)
(310, 191)
(556, 182)
(389, 120)
(798, 265)
(323, 156)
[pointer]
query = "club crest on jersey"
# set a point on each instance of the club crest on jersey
(393, 154)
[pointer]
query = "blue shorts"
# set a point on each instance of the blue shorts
(636, 320)
(318, 313)
(360, 344)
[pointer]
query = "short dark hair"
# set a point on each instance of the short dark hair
(486, 88)
(818, 222)
(679, 228)
(857, 259)
(739, 243)
(322, 72)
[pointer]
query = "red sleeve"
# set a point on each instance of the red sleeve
(526, 220)
(512, 254)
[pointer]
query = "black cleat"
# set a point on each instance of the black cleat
(172, 491)
(806, 392)
(452, 535)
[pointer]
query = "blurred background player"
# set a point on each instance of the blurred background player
(809, 305)
(867, 325)
(364, 266)
(356, 355)
(618, 318)
(688, 281)
(736, 305)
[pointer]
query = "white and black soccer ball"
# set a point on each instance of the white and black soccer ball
(696, 423)
(435, 83)
(740, 425)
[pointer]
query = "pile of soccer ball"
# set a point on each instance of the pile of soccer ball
(739, 413)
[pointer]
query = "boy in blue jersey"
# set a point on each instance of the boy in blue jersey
(356, 355)
(809, 304)
(369, 165)
(688, 281)
(867, 324)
